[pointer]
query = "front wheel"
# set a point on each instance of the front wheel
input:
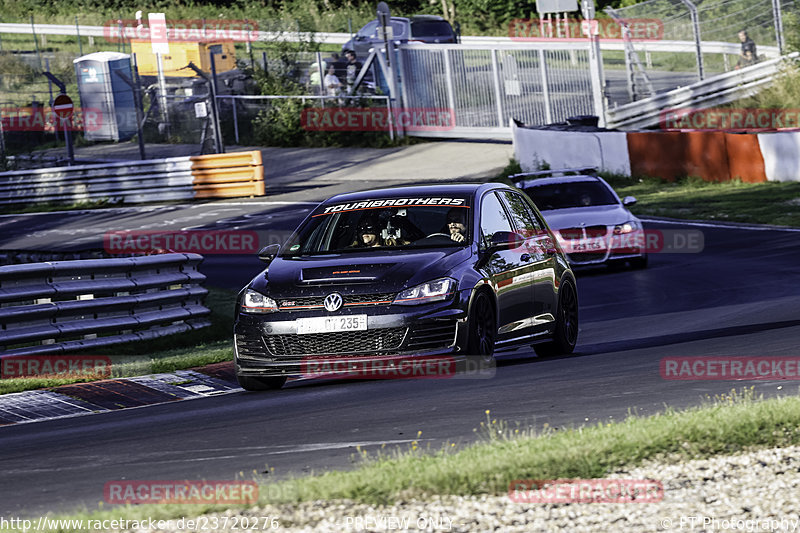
(482, 328)
(565, 336)
(250, 383)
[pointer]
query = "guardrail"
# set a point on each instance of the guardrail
(71, 305)
(710, 47)
(175, 178)
(719, 90)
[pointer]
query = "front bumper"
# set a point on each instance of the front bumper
(596, 245)
(269, 345)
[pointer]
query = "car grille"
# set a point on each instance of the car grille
(313, 302)
(596, 231)
(438, 334)
(586, 258)
(591, 232)
(251, 346)
(572, 233)
(369, 341)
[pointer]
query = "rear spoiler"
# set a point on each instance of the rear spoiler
(521, 182)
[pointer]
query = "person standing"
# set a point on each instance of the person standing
(352, 69)
(332, 84)
(748, 55)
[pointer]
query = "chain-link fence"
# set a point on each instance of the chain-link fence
(714, 23)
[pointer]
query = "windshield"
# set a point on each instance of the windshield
(382, 224)
(431, 28)
(574, 194)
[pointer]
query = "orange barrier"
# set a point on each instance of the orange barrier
(710, 155)
(228, 175)
(744, 158)
(233, 159)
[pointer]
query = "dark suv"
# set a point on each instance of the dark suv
(419, 28)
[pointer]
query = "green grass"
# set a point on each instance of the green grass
(776, 203)
(208, 345)
(726, 424)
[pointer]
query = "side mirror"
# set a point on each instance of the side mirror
(268, 253)
(628, 200)
(506, 240)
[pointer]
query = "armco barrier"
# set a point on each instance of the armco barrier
(174, 178)
(710, 155)
(71, 305)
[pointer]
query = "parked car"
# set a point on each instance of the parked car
(592, 224)
(419, 28)
(463, 269)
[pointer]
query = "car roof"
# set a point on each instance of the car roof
(426, 190)
(423, 18)
(538, 182)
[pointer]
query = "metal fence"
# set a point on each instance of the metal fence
(70, 305)
(486, 86)
(706, 23)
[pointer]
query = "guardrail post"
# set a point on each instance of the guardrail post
(214, 108)
(497, 95)
(548, 112)
(448, 75)
(778, 19)
(78, 32)
(236, 120)
(36, 43)
(696, 32)
(596, 70)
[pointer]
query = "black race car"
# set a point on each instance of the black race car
(413, 271)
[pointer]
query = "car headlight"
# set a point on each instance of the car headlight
(255, 302)
(432, 291)
(628, 227)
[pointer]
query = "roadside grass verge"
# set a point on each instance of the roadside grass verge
(726, 424)
(691, 198)
(776, 203)
(212, 344)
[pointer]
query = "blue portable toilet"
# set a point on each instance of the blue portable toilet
(108, 103)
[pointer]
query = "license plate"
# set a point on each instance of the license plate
(328, 324)
(588, 246)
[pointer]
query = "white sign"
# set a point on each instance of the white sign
(158, 33)
(200, 110)
(556, 6)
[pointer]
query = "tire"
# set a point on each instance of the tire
(482, 328)
(250, 383)
(565, 336)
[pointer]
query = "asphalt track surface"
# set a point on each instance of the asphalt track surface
(739, 297)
